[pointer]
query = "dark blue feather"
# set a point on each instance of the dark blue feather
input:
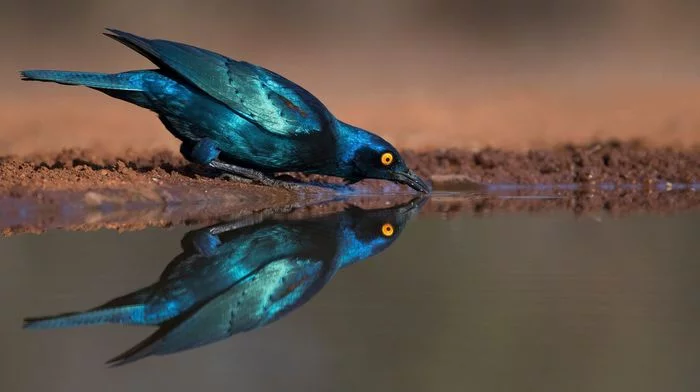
(229, 112)
(257, 94)
(241, 278)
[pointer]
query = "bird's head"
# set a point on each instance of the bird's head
(368, 232)
(366, 155)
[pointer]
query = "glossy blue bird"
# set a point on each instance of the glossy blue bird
(240, 276)
(241, 118)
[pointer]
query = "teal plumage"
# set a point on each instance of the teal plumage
(240, 117)
(233, 277)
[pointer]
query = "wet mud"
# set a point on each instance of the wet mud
(25, 216)
(86, 189)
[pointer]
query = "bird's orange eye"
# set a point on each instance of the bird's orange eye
(387, 158)
(387, 230)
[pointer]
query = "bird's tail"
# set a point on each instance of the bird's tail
(129, 314)
(128, 86)
(120, 81)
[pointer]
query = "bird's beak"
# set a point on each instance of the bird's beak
(411, 179)
(411, 209)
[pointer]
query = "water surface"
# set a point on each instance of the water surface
(506, 302)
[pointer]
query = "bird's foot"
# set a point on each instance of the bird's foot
(253, 176)
(290, 185)
(234, 178)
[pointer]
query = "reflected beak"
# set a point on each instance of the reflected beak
(411, 179)
(411, 209)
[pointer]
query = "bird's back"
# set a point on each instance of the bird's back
(255, 117)
(191, 115)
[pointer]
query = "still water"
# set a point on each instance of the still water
(381, 300)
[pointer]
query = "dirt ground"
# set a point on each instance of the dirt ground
(66, 210)
(611, 162)
(84, 189)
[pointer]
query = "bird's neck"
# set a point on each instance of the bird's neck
(348, 140)
(351, 249)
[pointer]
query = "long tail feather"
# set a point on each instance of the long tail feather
(133, 314)
(141, 350)
(120, 81)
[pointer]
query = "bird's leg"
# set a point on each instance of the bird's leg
(254, 175)
(204, 152)
(201, 241)
(235, 178)
(248, 220)
(206, 240)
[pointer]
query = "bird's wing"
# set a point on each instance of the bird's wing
(235, 257)
(279, 287)
(257, 94)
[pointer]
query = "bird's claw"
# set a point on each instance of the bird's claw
(250, 176)
(234, 178)
(292, 186)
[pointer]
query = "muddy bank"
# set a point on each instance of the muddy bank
(612, 162)
(22, 215)
(83, 189)
(127, 217)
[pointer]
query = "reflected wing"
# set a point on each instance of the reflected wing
(232, 259)
(257, 94)
(272, 292)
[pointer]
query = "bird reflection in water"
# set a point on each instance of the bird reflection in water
(239, 276)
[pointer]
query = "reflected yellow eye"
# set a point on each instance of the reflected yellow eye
(388, 230)
(387, 158)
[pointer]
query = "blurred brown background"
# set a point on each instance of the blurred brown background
(423, 73)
